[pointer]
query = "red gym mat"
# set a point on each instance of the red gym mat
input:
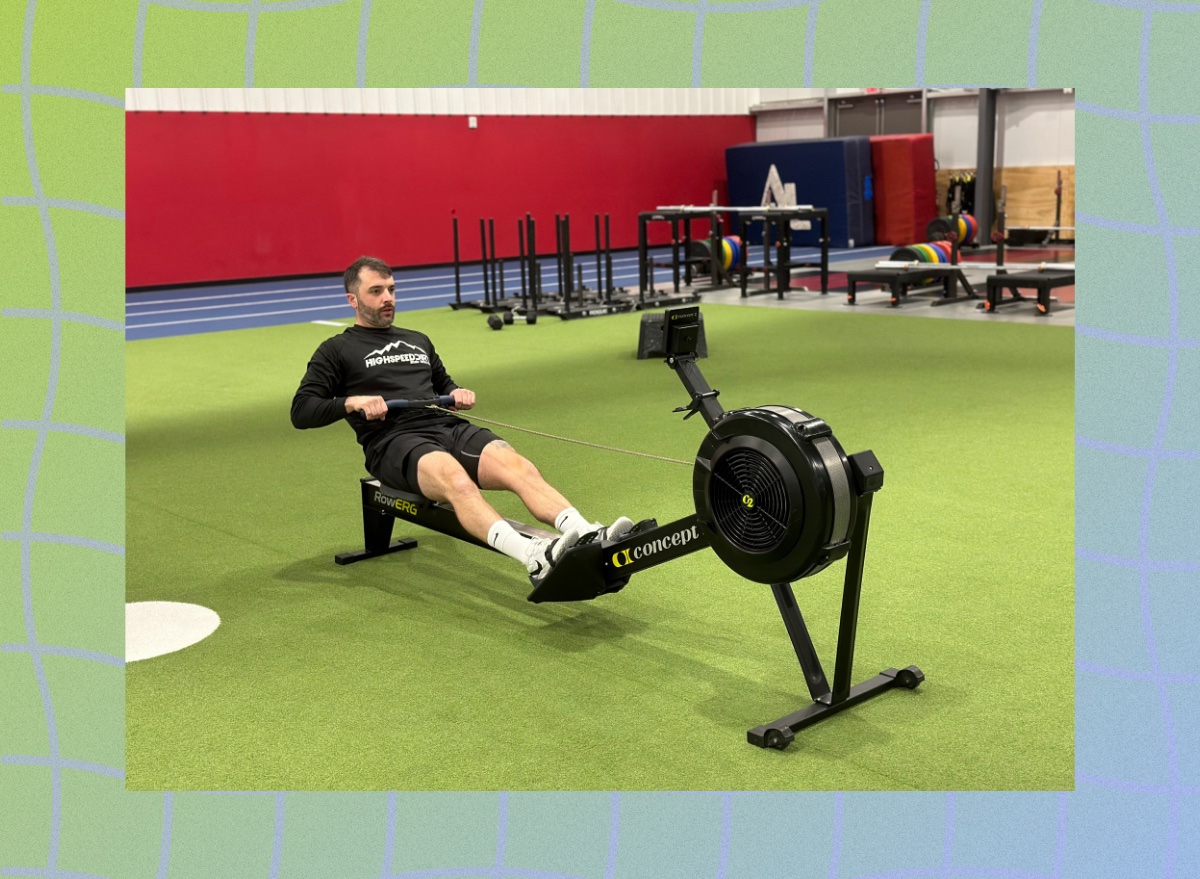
(904, 187)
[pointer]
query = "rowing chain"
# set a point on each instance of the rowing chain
(565, 439)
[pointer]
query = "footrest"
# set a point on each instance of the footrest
(578, 576)
(580, 573)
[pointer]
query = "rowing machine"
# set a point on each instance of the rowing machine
(777, 499)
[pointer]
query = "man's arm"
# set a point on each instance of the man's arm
(318, 401)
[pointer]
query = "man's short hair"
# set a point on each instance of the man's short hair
(364, 262)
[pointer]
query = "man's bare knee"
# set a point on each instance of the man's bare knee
(460, 484)
(442, 477)
(508, 467)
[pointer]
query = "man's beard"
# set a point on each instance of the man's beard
(373, 317)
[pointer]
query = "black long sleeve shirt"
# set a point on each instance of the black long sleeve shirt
(394, 363)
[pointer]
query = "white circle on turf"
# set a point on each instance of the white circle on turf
(154, 628)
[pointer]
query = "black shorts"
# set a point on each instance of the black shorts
(397, 466)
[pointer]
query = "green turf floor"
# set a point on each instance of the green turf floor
(429, 670)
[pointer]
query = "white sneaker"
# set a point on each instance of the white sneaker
(545, 552)
(618, 529)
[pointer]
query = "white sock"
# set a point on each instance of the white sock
(505, 538)
(570, 519)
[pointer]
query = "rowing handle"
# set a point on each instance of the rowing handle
(444, 400)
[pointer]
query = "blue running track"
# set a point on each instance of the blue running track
(252, 304)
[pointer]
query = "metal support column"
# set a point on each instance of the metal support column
(985, 163)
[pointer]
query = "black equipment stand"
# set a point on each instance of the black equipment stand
(778, 220)
(577, 300)
(681, 259)
(900, 281)
(593, 568)
(491, 268)
(999, 235)
(457, 303)
(1042, 282)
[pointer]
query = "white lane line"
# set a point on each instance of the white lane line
(201, 320)
(268, 292)
(272, 300)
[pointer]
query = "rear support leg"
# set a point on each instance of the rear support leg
(377, 534)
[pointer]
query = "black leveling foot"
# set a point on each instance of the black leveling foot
(346, 558)
(780, 733)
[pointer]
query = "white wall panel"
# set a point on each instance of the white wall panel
(1035, 128)
(733, 100)
(767, 96)
(591, 102)
(797, 124)
(1067, 132)
(955, 127)
(1032, 128)
(474, 101)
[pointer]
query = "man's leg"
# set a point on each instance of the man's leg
(502, 467)
(441, 478)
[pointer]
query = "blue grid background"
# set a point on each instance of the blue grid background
(63, 808)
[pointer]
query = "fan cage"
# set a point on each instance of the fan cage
(750, 500)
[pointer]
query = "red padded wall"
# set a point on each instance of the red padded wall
(905, 187)
(221, 196)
